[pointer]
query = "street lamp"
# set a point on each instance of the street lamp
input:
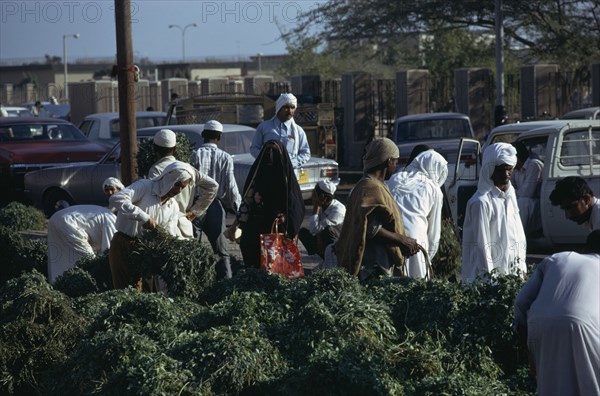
(65, 37)
(183, 36)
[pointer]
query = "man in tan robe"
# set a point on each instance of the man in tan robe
(372, 241)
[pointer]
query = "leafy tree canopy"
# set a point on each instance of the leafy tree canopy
(562, 31)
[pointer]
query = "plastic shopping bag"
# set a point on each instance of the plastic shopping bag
(279, 254)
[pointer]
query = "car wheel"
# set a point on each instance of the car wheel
(56, 200)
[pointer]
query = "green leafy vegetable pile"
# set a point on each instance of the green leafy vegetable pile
(327, 334)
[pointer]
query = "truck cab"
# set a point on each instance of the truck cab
(572, 149)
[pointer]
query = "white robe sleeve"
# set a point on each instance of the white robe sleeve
(434, 226)
(207, 191)
(476, 255)
(528, 294)
(123, 201)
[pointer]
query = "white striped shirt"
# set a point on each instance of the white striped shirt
(218, 164)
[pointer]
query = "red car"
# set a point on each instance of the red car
(28, 144)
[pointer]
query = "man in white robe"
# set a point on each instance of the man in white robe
(76, 232)
(325, 224)
(493, 236)
(145, 205)
(417, 191)
(559, 311)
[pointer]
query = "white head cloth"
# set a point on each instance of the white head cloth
(432, 164)
(175, 172)
(494, 155)
(285, 99)
(113, 182)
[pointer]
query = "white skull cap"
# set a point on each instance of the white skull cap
(327, 186)
(165, 138)
(213, 125)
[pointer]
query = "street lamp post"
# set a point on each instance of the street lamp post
(65, 37)
(183, 29)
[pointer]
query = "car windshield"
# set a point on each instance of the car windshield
(432, 129)
(508, 137)
(237, 142)
(25, 132)
(140, 122)
(19, 112)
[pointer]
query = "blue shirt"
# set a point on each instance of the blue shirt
(289, 133)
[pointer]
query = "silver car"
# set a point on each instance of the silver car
(54, 188)
(104, 127)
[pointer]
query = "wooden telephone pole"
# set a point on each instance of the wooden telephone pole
(126, 81)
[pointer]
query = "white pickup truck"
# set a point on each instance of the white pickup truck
(572, 149)
(567, 148)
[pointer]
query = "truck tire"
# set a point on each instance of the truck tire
(56, 200)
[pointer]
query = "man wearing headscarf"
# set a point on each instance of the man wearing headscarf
(417, 191)
(145, 205)
(76, 232)
(493, 236)
(197, 196)
(283, 128)
(372, 241)
(111, 186)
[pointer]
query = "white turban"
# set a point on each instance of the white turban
(494, 155)
(433, 164)
(176, 171)
(285, 99)
(113, 182)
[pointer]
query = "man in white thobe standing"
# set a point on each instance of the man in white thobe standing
(493, 236)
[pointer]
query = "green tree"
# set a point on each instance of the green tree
(444, 34)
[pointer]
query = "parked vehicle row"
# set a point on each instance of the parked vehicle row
(53, 188)
(32, 143)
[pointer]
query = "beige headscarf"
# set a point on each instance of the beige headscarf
(379, 151)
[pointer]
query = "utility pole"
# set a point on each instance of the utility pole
(499, 111)
(126, 81)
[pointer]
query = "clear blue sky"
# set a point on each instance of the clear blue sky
(31, 29)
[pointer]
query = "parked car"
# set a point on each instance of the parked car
(53, 188)
(236, 140)
(33, 143)
(15, 111)
(49, 109)
(442, 131)
(105, 127)
(589, 113)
